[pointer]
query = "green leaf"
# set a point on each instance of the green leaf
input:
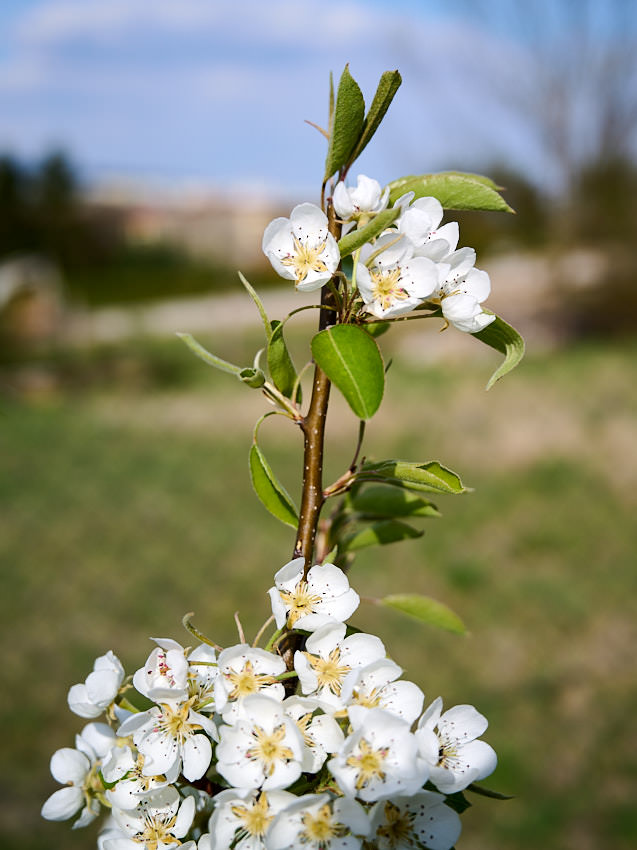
(388, 85)
(353, 240)
(454, 190)
(381, 501)
(280, 364)
(458, 802)
(270, 491)
(259, 304)
(379, 534)
(350, 358)
(207, 357)
(377, 328)
(426, 610)
(507, 341)
(487, 792)
(349, 116)
(429, 477)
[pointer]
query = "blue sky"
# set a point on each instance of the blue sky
(216, 91)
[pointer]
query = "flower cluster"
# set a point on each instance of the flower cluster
(414, 262)
(238, 751)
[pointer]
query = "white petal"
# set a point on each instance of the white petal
(69, 765)
(185, 816)
(343, 205)
(62, 804)
(196, 756)
(309, 222)
(477, 284)
(80, 704)
(99, 737)
(463, 723)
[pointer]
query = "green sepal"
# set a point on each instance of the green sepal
(429, 477)
(507, 341)
(280, 364)
(355, 238)
(454, 190)
(379, 534)
(377, 328)
(211, 359)
(426, 610)
(382, 501)
(349, 117)
(270, 491)
(388, 85)
(351, 359)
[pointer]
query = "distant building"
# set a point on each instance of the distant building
(31, 300)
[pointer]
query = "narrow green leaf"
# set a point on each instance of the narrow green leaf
(426, 610)
(350, 358)
(379, 534)
(280, 364)
(270, 491)
(388, 85)
(507, 341)
(458, 802)
(211, 359)
(454, 190)
(349, 116)
(355, 238)
(382, 501)
(429, 477)
(259, 304)
(487, 792)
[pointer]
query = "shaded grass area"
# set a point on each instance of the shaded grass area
(121, 512)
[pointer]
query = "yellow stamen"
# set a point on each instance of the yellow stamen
(386, 287)
(246, 681)
(368, 762)
(268, 748)
(329, 671)
(305, 259)
(398, 829)
(299, 601)
(255, 818)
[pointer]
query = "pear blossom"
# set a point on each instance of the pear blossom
(422, 820)
(447, 742)
(463, 290)
(329, 658)
(379, 759)
(316, 822)
(301, 248)
(323, 596)
(172, 737)
(245, 670)
(124, 770)
(97, 692)
(202, 672)
(419, 223)
(164, 677)
(158, 823)
(242, 817)
(264, 747)
(78, 770)
(362, 201)
(396, 281)
(375, 686)
(321, 733)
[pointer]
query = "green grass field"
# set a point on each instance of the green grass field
(125, 506)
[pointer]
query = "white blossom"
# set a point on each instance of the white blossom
(301, 248)
(422, 820)
(242, 817)
(158, 823)
(379, 759)
(420, 224)
(164, 677)
(316, 822)
(125, 771)
(329, 658)
(323, 596)
(97, 692)
(321, 733)
(172, 737)
(203, 670)
(361, 201)
(77, 769)
(375, 686)
(396, 281)
(246, 670)
(463, 290)
(264, 747)
(447, 742)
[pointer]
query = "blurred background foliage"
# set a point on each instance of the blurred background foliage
(124, 491)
